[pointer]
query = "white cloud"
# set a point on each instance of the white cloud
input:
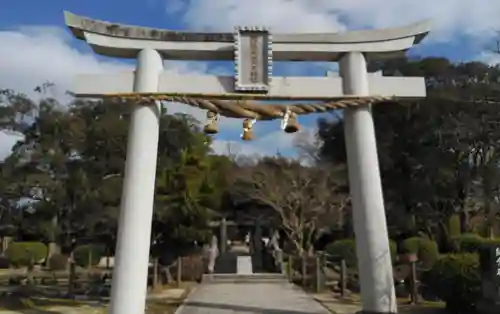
(7, 140)
(30, 56)
(477, 18)
(491, 58)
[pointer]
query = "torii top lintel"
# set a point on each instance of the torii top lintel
(125, 41)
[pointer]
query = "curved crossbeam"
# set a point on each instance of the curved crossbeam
(80, 24)
(124, 41)
(249, 109)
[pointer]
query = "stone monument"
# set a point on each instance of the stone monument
(490, 280)
(253, 50)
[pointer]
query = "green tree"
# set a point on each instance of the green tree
(432, 152)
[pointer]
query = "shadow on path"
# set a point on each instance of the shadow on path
(242, 308)
(251, 297)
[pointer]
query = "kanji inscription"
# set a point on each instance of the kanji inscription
(253, 59)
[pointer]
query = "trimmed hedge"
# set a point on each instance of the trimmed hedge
(346, 249)
(426, 250)
(192, 268)
(410, 245)
(455, 279)
(81, 254)
(454, 228)
(24, 253)
(471, 243)
(58, 262)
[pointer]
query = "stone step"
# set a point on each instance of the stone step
(246, 278)
(244, 265)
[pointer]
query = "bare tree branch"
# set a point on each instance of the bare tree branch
(304, 198)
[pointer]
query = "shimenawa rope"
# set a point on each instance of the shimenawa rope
(248, 108)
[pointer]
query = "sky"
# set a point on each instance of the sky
(35, 45)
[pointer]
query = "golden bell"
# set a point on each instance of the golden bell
(292, 125)
(247, 130)
(247, 135)
(211, 126)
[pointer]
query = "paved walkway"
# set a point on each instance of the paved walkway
(244, 265)
(252, 298)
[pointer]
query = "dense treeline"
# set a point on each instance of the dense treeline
(439, 161)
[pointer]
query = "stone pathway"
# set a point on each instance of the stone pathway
(251, 298)
(244, 265)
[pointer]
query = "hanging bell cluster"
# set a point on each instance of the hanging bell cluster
(289, 123)
(247, 129)
(211, 126)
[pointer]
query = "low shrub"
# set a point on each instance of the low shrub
(467, 243)
(82, 253)
(58, 262)
(25, 253)
(343, 249)
(15, 281)
(346, 249)
(4, 262)
(192, 268)
(488, 242)
(455, 279)
(426, 250)
(454, 226)
(410, 245)
(471, 243)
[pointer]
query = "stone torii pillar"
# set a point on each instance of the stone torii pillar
(253, 49)
(370, 226)
(134, 232)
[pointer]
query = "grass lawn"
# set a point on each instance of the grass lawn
(424, 307)
(352, 304)
(161, 302)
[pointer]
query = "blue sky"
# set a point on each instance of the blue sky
(154, 13)
(35, 45)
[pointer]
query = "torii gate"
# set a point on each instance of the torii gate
(253, 49)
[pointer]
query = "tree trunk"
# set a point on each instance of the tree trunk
(179, 271)
(168, 274)
(491, 231)
(108, 251)
(303, 264)
(72, 275)
(53, 247)
(89, 262)
(464, 221)
(155, 273)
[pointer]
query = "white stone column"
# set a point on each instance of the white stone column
(128, 293)
(370, 226)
